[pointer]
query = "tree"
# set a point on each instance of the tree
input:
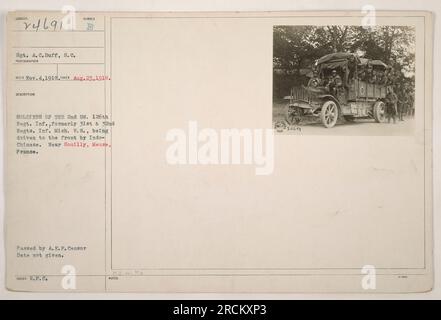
(296, 48)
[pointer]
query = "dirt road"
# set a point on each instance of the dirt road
(362, 127)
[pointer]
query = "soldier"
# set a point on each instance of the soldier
(361, 74)
(400, 104)
(385, 77)
(315, 80)
(350, 71)
(380, 77)
(409, 111)
(391, 105)
(392, 77)
(373, 77)
(368, 74)
(346, 76)
(405, 102)
(411, 103)
(335, 82)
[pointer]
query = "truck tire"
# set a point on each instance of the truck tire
(379, 111)
(329, 114)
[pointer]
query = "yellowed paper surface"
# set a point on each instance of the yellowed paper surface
(102, 194)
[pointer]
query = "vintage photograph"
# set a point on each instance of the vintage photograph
(348, 80)
(140, 155)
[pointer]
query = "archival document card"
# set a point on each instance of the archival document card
(219, 152)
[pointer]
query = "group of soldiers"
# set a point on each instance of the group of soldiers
(364, 73)
(370, 75)
(399, 107)
(332, 84)
(395, 107)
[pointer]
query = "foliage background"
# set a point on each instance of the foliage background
(295, 48)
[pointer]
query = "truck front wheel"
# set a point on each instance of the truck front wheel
(329, 114)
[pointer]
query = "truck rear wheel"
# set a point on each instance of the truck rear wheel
(379, 111)
(329, 114)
